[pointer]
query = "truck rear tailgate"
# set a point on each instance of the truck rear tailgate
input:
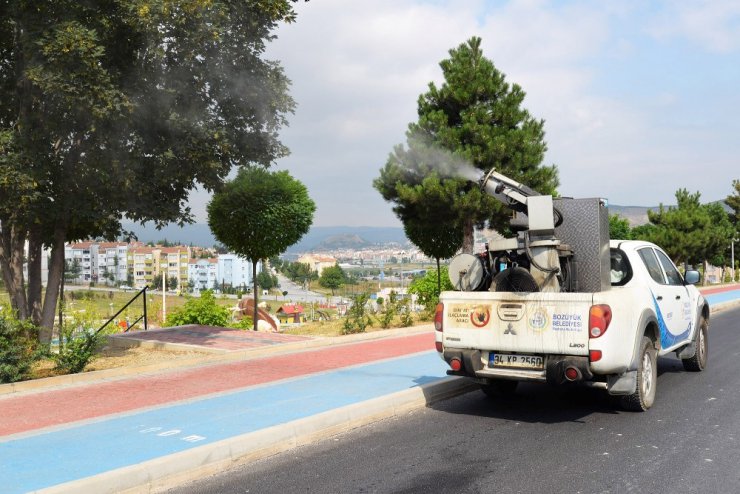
(534, 323)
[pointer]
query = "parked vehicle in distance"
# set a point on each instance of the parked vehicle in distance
(125, 288)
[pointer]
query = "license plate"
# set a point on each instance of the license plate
(519, 361)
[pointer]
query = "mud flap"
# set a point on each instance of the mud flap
(622, 384)
(687, 352)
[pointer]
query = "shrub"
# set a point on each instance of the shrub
(18, 348)
(78, 342)
(426, 287)
(203, 310)
(357, 318)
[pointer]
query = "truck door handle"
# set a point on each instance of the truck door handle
(678, 297)
(659, 297)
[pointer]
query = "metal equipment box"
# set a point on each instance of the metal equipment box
(585, 228)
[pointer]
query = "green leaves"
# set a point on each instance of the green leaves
(260, 214)
(332, 277)
(690, 232)
(472, 122)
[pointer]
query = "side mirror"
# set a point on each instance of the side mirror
(692, 277)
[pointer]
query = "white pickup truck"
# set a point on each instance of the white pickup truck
(608, 339)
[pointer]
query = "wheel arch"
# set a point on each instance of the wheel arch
(647, 326)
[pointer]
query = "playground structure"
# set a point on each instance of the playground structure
(265, 320)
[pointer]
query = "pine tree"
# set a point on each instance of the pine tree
(473, 122)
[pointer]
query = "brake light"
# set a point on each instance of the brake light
(594, 355)
(599, 318)
(438, 316)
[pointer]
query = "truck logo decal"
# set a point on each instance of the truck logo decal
(567, 322)
(480, 316)
(510, 329)
(538, 319)
(471, 316)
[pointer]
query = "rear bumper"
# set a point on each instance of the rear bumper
(474, 366)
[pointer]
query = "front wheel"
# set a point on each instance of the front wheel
(647, 379)
(698, 362)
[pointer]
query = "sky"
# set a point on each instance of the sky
(639, 98)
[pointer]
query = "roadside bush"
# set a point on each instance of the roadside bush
(79, 342)
(357, 319)
(243, 323)
(203, 310)
(407, 319)
(426, 288)
(18, 348)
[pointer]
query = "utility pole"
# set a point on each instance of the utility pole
(164, 297)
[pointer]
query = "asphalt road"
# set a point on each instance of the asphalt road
(547, 440)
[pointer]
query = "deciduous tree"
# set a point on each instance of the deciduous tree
(332, 277)
(259, 214)
(119, 109)
(619, 227)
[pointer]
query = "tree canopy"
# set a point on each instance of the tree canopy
(332, 277)
(733, 201)
(619, 227)
(259, 214)
(690, 232)
(473, 122)
(119, 109)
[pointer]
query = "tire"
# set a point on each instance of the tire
(647, 379)
(698, 362)
(499, 387)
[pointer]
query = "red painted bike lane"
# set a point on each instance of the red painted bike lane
(64, 406)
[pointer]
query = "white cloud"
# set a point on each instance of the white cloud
(713, 24)
(358, 68)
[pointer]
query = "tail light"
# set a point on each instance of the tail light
(594, 355)
(438, 315)
(599, 318)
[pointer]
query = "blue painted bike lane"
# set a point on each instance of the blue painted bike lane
(43, 459)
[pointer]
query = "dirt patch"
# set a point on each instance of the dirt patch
(113, 358)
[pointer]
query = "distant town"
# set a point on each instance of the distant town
(180, 268)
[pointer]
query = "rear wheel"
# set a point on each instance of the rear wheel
(647, 379)
(698, 362)
(499, 387)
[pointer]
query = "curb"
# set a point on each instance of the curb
(172, 470)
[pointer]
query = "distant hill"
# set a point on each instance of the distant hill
(636, 215)
(318, 237)
(332, 237)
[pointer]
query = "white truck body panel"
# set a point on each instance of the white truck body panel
(557, 324)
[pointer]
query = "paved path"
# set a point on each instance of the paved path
(133, 431)
(63, 435)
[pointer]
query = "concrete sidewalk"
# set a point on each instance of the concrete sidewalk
(124, 431)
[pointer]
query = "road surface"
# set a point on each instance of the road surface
(543, 440)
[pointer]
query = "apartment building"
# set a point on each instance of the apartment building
(82, 258)
(174, 262)
(234, 271)
(143, 265)
(317, 262)
(112, 262)
(202, 273)
(148, 262)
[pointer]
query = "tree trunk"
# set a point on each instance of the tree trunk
(11, 263)
(254, 282)
(439, 279)
(468, 236)
(35, 258)
(56, 271)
